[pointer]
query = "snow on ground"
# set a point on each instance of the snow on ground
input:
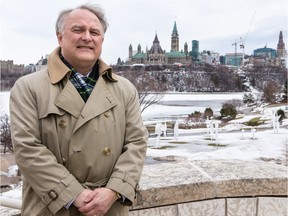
(4, 102)
(236, 140)
(16, 193)
(231, 145)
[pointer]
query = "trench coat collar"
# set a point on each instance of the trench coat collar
(70, 100)
(100, 101)
(57, 69)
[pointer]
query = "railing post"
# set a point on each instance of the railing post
(10, 202)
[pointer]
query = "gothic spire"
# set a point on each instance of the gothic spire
(175, 31)
(156, 39)
(281, 46)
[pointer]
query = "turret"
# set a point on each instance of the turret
(186, 48)
(130, 51)
(139, 48)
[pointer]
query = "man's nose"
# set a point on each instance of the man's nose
(86, 36)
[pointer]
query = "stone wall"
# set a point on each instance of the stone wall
(212, 187)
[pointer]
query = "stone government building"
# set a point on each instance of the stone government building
(157, 56)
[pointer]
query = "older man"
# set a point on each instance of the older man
(77, 130)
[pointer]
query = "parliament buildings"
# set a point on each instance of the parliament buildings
(157, 56)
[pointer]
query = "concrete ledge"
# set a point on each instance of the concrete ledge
(262, 206)
(170, 185)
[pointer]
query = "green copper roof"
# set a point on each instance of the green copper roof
(175, 31)
(175, 28)
(175, 54)
(139, 55)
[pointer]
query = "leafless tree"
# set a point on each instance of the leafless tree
(150, 89)
(270, 91)
(5, 133)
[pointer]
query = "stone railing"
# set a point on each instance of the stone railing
(178, 187)
(212, 188)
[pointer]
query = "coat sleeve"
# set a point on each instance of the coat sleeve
(129, 166)
(50, 180)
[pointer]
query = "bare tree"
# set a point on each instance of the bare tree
(5, 133)
(270, 92)
(150, 89)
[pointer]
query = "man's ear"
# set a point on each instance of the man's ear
(59, 38)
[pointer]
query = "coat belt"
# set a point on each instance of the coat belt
(97, 184)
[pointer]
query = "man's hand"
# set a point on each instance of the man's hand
(79, 201)
(98, 202)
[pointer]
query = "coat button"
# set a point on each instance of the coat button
(106, 151)
(64, 161)
(107, 114)
(62, 124)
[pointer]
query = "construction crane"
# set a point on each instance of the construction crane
(243, 41)
(235, 54)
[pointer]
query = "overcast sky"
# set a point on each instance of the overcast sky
(27, 26)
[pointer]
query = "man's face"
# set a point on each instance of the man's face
(81, 38)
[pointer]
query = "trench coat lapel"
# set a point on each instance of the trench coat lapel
(70, 100)
(100, 100)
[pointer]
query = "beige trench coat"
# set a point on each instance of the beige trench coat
(62, 145)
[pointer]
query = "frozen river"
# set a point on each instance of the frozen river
(174, 105)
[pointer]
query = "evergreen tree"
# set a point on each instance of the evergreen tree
(208, 113)
(228, 110)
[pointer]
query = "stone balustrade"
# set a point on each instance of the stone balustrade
(179, 187)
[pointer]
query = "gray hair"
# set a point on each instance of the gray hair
(92, 8)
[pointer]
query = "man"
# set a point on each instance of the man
(77, 130)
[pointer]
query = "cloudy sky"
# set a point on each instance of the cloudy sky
(27, 27)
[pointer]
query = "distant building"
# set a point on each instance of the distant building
(233, 59)
(30, 68)
(281, 52)
(10, 66)
(210, 57)
(42, 63)
(175, 39)
(265, 53)
(157, 56)
(222, 60)
(195, 49)
(266, 56)
(269, 56)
